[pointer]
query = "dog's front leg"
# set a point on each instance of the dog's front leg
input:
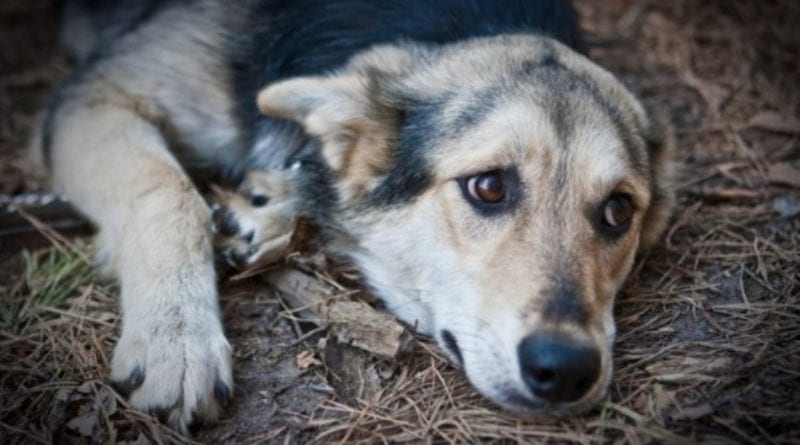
(172, 357)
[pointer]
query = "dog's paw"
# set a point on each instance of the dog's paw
(178, 368)
(254, 226)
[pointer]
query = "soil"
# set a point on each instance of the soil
(709, 339)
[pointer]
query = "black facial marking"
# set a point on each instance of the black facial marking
(562, 83)
(626, 134)
(452, 345)
(559, 119)
(409, 176)
(478, 107)
(531, 66)
(564, 303)
(422, 127)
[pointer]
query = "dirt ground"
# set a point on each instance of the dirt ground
(709, 323)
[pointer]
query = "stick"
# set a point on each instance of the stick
(353, 322)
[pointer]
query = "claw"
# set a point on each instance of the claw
(226, 223)
(127, 386)
(249, 221)
(222, 392)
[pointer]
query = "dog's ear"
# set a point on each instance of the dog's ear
(347, 113)
(661, 146)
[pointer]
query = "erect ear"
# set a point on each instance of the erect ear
(661, 146)
(345, 113)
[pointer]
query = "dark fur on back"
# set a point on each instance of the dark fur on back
(305, 37)
(308, 37)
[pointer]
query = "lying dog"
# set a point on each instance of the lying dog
(492, 184)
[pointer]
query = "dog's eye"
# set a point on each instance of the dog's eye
(617, 213)
(487, 188)
(493, 192)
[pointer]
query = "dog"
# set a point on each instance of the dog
(492, 184)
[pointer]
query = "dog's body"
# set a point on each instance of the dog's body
(492, 184)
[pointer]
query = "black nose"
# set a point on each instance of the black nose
(557, 368)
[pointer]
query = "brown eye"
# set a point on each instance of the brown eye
(617, 212)
(488, 188)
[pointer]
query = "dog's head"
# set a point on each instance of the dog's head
(496, 192)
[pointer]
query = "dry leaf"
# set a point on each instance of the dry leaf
(663, 399)
(686, 369)
(784, 174)
(727, 193)
(353, 322)
(772, 121)
(693, 412)
(306, 360)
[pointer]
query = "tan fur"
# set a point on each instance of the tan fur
(118, 153)
(663, 168)
(128, 131)
(339, 112)
(459, 271)
(264, 232)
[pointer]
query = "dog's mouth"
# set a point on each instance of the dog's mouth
(524, 405)
(528, 405)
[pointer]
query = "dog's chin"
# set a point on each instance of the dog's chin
(530, 407)
(526, 405)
